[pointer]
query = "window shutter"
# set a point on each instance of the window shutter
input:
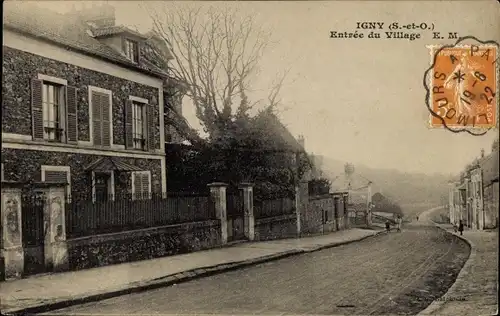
(137, 183)
(151, 126)
(56, 176)
(145, 184)
(37, 108)
(96, 118)
(129, 138)
(72, 116)
(106, 117)
(145, 131)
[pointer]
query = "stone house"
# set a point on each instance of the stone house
(84, 102)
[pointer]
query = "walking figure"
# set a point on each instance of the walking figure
(417, 218)
(388, 226)
(398, 223)
(461, 227)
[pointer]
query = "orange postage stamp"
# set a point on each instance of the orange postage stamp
(462, 87)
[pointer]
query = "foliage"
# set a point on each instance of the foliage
(215, 54)
(384, 204)
(319, 186)
(244, 152)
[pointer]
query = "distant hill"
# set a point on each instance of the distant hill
(412, 191)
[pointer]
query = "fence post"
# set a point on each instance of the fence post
(249, 221)
(12, 246)
(218, 192)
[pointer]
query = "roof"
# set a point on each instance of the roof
(278, 136)
(65, 30)
(114, 30)
(108, 164)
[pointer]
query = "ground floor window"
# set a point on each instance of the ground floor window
(141, 185)
(61, 174)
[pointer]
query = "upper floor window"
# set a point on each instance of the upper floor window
(100, 113)
(139, 119)
(132, 50)
(53, 111)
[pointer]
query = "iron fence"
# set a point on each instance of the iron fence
(92, 215)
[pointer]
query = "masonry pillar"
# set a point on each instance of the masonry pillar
(301, 205)
(12, 247)
(249, 222)
(218, 193)
(55, 246)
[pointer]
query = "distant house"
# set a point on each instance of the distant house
(84, 102)
(474, 197)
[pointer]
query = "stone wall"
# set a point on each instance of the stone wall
(279, 227)
(25, 165)
(20, 67)
(102, 250)
(321, 216)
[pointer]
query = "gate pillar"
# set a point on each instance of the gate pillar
(301, 205)
(12, 247)
(218, 192)
(249, 220)
(56, 249)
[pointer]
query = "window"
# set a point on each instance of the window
(59, 174)
(131, 50)
(53, 111)
(141, 184)
(100, 112)
(139, 120)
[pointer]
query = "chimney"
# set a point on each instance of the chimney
(98, 15)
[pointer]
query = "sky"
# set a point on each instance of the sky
(356, 100)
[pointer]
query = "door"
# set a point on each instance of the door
(101, 186)
(33, 233)
(235, 216)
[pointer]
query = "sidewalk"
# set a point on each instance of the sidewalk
(475, 292)
(54, 291)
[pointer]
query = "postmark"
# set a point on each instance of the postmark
(462, 86)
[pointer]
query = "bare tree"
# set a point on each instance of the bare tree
(215, 53)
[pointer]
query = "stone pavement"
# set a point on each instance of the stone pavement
(53, 291)
(475, 292)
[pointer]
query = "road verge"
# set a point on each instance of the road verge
(441, 301)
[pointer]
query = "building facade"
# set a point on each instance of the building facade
(82, 104)
(474, 198)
